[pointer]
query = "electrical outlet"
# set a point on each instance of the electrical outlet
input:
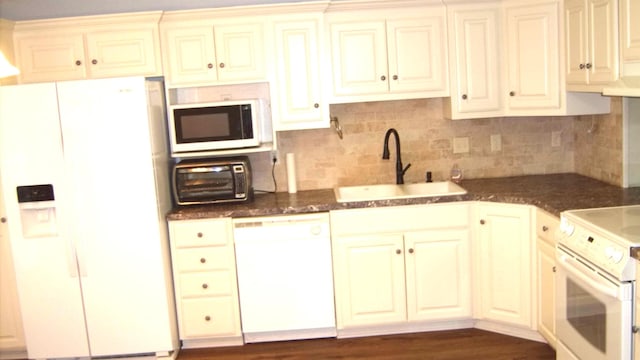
(556, 138)
(460, 145)
(274, 156)
(496, 142)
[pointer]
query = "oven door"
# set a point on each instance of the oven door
(593, 311)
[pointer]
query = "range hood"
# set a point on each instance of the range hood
(628, 86)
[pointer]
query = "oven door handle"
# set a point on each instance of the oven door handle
(591, 278)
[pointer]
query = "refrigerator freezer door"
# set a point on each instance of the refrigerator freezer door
(46, 268)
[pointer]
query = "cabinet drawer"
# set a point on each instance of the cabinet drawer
(202, 259)
(200, 232)
(214, 316)
(218, 282)
(547, 226)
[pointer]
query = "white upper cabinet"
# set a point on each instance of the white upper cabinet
(88, 47)
(211, 52)
(387, 53)
(532, 53)
(474, 51)
(506, 61)
(630, 37)
(298, 90)
(591, 43)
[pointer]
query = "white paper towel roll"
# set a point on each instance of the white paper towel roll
(291, 173)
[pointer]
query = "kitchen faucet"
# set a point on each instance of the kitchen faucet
(385, 155)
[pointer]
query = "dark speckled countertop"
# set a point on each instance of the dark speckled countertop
(553, 193)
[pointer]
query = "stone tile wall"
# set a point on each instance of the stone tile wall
(598, 145)
(325, 161)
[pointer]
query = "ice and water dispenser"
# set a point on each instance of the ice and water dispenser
(37, 210)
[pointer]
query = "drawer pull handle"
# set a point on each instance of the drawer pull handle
(482, 222)
(78, 62)
(200, 235)
(203, 260)
(207, 318)
(94, 61)
(221, 65)
(545, 228)
(210, 65)
(398, 251)
(204, 286)
(410, 250)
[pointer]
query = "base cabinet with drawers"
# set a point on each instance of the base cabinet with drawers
(206, 287)
(546, 227)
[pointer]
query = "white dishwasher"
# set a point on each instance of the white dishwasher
(285, 277)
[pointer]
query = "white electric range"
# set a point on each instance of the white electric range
(595, 283)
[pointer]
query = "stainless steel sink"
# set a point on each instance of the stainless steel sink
(392, 191)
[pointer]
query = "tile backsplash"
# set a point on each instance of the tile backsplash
(529, 145)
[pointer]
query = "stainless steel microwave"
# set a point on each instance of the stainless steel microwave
(210, 181)
(214, 126)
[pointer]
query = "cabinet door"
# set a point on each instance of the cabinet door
(603, 39)
(359, 58)
(546, 264)
(190, 55)
(575, 18)
(438, 274)
(240, 52)
(475, 55)
(533, 58)
(505, 263)
(630, 30)
(417, 55)
(122, 53)
(44, 58)
(300, 103)
(369, 280)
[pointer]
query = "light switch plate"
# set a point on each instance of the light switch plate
(460, 145)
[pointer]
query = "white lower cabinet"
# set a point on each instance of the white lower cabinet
(206, 287)
(504, 266)
(401, 269)
(546, 227)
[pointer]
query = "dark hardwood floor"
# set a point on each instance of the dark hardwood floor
(440, 345)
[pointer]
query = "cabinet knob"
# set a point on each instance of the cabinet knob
(482, 222)
(3, 220)
(545, 228)
(512, 93)
(221, 65)
(395, 77)
(383, 78)
(207, 318)
(410, 250)
(210, 65)
(78, 62)
(205, 286)
(203, 260)
(464, 96)
(398, 251)
(316, 105)
(553, 269)
(581, 66)
(199, 234)
(588, 65)
(94, 61)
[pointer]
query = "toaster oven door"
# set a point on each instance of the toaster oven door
(205, 184)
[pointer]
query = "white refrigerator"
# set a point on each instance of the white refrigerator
(92, 258)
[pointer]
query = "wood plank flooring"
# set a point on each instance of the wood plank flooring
(440, 345)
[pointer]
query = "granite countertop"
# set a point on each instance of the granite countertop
(553, 193)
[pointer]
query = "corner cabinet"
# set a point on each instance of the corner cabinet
(384, 261)
(212, 51)
(88, 47)
(298, 94)
(591, 42)
(388, 54)
(206, 287)
(504, 268)
(546, 228)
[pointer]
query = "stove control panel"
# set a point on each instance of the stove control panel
(598, 250)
